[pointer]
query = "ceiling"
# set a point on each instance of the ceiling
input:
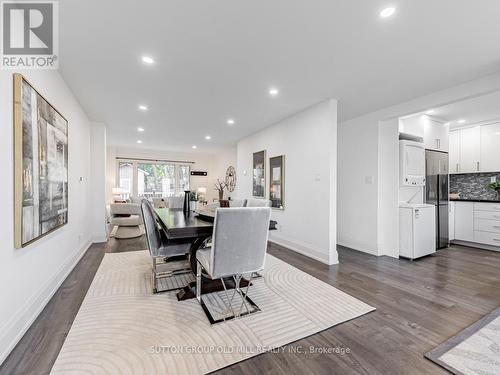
(474, 110)
(217, 59)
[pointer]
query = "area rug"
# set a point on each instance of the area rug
(475, 350)
(121, 328)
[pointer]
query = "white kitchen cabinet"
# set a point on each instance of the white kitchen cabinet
(464, 221)
(490, 148)
(436, 135)
(451, 221)
(470, 149)
(476, 222)
(454, 153)
(475, 149)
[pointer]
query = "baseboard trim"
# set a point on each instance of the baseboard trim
(99, 238)
(352, 243)
(300, 248)
(27, 314)
(475, 245)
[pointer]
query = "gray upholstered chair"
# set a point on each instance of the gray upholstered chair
(239, 245)
(160, 248)
(237, 202)
(176, 202)
(252, 202)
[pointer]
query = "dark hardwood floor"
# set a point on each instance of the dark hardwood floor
(419, 305)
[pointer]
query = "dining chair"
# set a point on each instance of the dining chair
(238, 202)
(239, 245)
(160, 248)
(252, 202)
(176, 202)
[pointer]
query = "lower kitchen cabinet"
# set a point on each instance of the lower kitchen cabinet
(464, 221)
(475, 222)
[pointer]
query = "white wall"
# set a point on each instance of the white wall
(29, 276)
(220, 162)
(214, 164)
(98, 182)
(309, 142)
(359, 199)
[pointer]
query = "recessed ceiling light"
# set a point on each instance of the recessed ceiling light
(143, 107)
(139, 141)
(147, 60)
(139, 129)
(429, 112)
(230, 121)
(273, 91)
(207, 137)
(387, 12)
(194, 147)
(461, 121)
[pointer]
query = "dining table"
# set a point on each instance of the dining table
(195, 227)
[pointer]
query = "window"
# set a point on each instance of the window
(153, 179)
(125, 177)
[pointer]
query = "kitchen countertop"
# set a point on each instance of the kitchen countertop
(475, 200)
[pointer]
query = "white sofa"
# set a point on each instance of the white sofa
(127, 218)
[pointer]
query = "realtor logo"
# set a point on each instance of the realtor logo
(29, 34)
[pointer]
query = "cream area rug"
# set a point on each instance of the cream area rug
(121, 328)
(474, 351)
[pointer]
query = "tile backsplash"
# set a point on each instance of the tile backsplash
(473, 185)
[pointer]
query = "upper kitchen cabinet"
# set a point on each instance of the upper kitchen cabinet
(454, 154)
(490, 148)
(436, 134)
(475, 149)
(470, 150)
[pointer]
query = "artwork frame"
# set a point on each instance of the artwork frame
(277, 182)
(40, 165)
(259, 174)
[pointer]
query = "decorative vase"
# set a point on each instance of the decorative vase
(187, 194)
(221, 195)
(193, 205)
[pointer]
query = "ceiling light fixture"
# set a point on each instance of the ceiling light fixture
(230, 121)
(273, 91)
(194, 147)
(139, 141)
(140, 130)
(143, 107)
(147, 60)
(429, 112)
(387, 12)
(207, 137)
(447, 124)
(461, 121)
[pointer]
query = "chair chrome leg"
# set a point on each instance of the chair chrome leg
(198, 282)
(244, 296)
(155, 286)
(227, 296)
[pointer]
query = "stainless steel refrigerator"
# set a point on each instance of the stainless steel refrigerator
(436, 192)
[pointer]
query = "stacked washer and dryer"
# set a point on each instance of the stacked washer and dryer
(417, 220)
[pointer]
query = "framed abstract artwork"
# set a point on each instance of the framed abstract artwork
(40, 165)
(259, 174)
(277, 182)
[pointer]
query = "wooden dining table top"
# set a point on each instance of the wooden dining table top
(177, 224)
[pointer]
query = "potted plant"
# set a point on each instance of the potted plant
(193, 200)
(220, 186)
(496, 187)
